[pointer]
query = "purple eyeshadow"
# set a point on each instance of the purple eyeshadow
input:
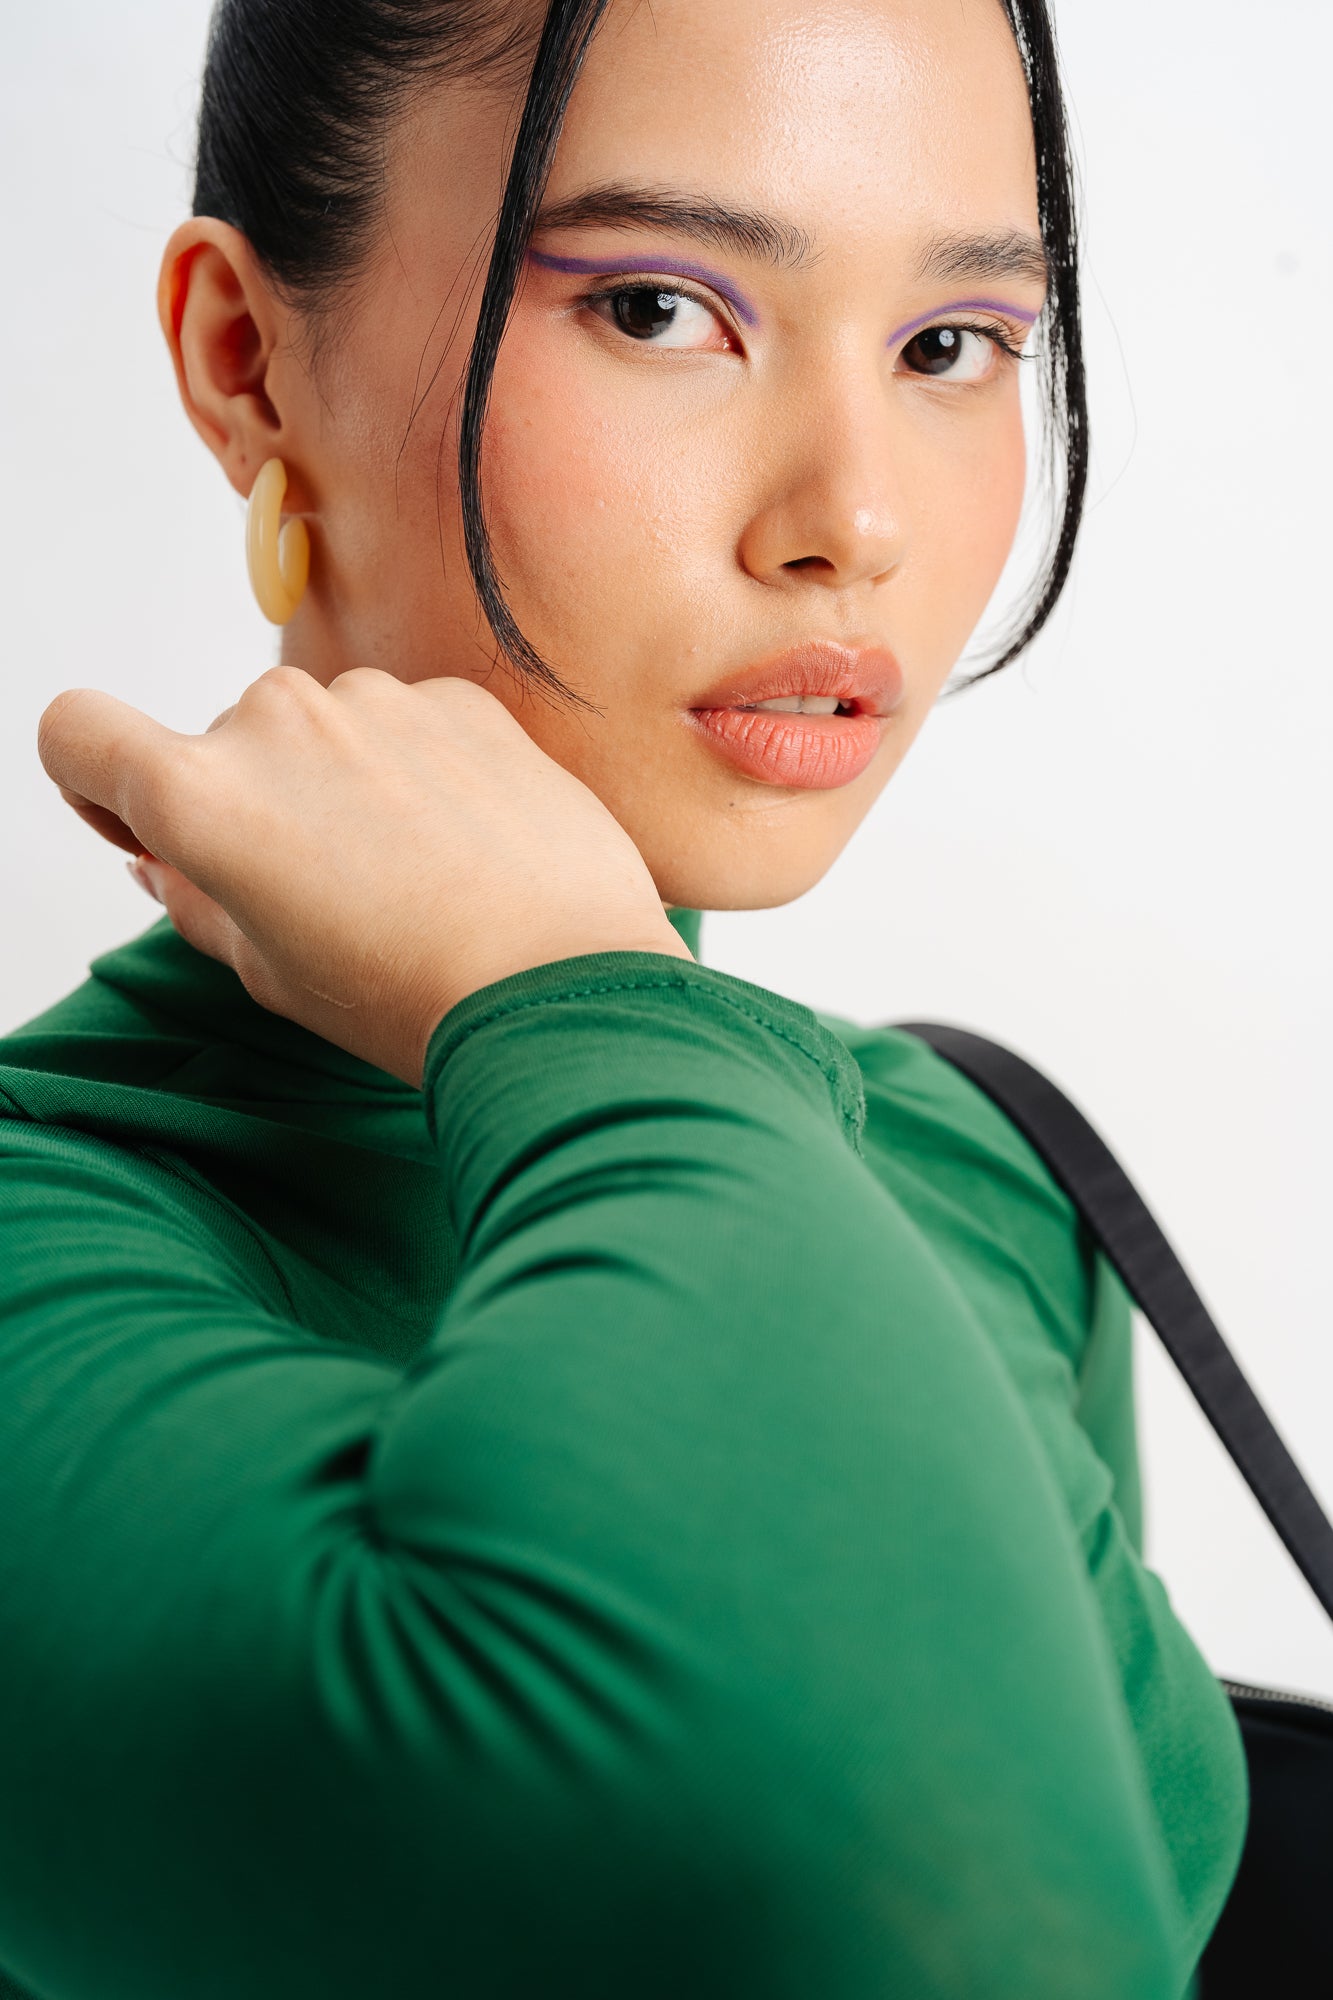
(675, 268)
(586, 266)
(962, 305)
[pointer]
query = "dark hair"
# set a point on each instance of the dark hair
(298, 95)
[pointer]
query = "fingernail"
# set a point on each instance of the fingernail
(144, 872)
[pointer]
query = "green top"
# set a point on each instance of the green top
(654, 1512)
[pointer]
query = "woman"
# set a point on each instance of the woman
(534, 1466)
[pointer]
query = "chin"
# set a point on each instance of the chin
(761, 883)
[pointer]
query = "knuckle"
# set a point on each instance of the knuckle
(289, 678)
(362, 681)
(280, 685)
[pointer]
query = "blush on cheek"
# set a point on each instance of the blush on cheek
(964, 537)
(998, 520)
(597, 514)
(554, 483)
(995, 504)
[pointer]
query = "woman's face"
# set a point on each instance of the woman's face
(768, 441)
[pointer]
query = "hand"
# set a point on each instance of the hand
(363, 855)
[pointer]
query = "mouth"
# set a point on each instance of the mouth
(812, 717)
(801, 704)
(856, 680)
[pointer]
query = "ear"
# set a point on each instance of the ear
(225, 326)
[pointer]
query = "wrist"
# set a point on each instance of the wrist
(667, 940)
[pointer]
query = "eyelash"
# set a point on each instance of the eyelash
(672, 286)
(990, 329)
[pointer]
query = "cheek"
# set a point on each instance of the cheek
(609, 516)
(560, 481)
(998, 518)
(968, 523)
(593, 505)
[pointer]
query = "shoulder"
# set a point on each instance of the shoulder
(922, 1105)
(96, 1139)
(103, 1036)
(971, 1179)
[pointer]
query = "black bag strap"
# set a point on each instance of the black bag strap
(1127, 1231)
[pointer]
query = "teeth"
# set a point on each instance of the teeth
(801, 704)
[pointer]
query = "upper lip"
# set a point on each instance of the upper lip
(867, 678)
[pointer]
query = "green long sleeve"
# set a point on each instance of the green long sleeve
(616, 1522)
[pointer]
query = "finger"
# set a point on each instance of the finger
(103, 822)
(112, 756)
(199, 920)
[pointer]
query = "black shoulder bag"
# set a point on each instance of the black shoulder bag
(1274, 1936)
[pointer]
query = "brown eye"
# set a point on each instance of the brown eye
(656, 317)
(960, 353)
(644, 314)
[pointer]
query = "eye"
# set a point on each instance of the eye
(657, 317)
(959, 353)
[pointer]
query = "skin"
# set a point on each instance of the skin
(662, 513)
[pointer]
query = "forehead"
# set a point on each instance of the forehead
(858, 122)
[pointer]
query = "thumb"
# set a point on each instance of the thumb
(113, 760)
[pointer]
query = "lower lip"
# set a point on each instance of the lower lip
(815, 752)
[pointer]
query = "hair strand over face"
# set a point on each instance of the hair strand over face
(298, 96)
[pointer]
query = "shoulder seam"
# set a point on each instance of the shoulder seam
(828, 1070)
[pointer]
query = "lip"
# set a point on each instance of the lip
(810, 752)
(868, 678)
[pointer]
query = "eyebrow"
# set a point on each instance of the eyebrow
(619, 205)
(1003, 253)
(946, 256)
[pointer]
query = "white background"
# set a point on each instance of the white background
(1113, 856)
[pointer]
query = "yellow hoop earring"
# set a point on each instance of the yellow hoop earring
(277, 552)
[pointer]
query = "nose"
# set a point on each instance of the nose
(833, 510)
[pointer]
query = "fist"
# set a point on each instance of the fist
(363, 855)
